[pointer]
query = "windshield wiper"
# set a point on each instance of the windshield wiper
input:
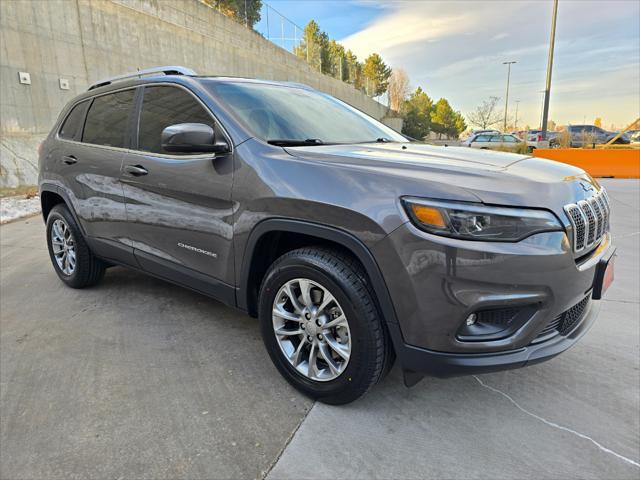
(286, 142)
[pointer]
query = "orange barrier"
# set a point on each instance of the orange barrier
(616, 163)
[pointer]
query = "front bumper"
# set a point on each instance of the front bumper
(443, 365)
(436, 283)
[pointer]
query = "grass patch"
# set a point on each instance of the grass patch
(521, 148)
(28, 191)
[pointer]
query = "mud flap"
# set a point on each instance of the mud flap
(411, 378)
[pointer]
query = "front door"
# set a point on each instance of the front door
(179, 210)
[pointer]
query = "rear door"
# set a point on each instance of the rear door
(496, 141)
(93, 139)
(179, 210)
(509, 141)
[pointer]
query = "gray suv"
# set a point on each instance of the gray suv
(350, 243)
(585, 135)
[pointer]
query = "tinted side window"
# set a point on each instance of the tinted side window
(482, 138)
(108, 119)
(496, 138)
(165, 106)
(72, 125)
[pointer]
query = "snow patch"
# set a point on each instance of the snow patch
(12, 208)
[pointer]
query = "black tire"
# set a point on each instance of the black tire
(371, 351)
(88, 270)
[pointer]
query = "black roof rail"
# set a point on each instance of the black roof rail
(167, 70)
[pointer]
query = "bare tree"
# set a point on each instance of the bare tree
(398, 90)
(485, 115)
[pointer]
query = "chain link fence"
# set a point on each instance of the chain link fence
(277, 28)
(274, 26)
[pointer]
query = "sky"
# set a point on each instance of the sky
(455, 49)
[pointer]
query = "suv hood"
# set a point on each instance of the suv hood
(457, 173)
(419, 155)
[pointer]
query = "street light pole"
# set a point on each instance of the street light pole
(547, 90)
(515, 126)
(506, 101)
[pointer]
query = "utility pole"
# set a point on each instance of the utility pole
(547, 90)
(515, 126)
(506, 102)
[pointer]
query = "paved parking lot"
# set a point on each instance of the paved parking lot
(138, 378)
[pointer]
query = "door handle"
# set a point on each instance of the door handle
(69, 160)
(135, 170)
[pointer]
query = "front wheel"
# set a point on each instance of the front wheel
(321, 327)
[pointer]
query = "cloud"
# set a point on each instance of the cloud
(456, 49)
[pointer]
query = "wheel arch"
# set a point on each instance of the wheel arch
(246, 294)
(52, 195)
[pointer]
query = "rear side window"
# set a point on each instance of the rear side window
(165, 106)
(108, 119)
(72, 126)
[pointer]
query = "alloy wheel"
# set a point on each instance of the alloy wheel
(311, 329)
(63, 246)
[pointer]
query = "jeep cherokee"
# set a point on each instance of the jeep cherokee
(351, 244)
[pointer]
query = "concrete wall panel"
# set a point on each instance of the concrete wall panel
(87, 40)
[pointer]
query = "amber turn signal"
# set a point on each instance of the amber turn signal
(429, 215)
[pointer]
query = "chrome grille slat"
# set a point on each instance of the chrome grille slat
(599, 217)
(589, 220)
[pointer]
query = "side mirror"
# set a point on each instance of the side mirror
(192, 138)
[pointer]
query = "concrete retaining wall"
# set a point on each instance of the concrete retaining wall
(83, 41)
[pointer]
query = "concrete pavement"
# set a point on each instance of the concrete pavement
(137, 378)
(133, 378)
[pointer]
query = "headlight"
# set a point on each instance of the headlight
(475, 221)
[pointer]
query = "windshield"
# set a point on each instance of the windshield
(279, 112)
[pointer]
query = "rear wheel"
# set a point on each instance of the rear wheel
(70, 255)
(321, 327)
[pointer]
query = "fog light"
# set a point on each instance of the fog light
(471, 319)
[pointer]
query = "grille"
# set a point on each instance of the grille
(497, 317)
(564, 323)
(572, 316)
(589, 219)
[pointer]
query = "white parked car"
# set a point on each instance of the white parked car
(501, 141)
(492, 140)
(534, 139)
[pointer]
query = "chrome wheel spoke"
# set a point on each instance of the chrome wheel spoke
(312, 368)
(326, 356)
(285, 332)
(296, 357)
(293, 298)
(278, 311)
(340, 349)
(327, 298)
(305, 290)
(340, 320)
